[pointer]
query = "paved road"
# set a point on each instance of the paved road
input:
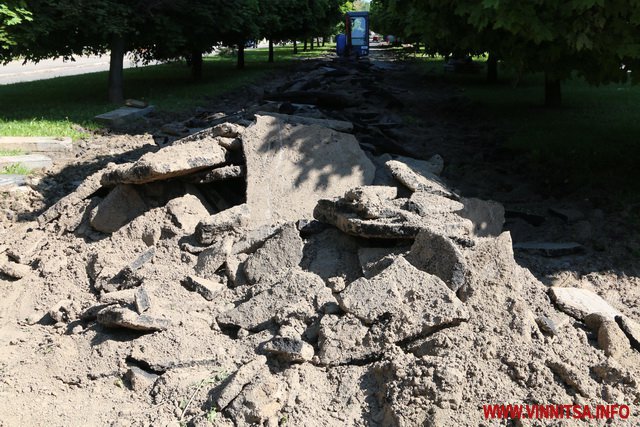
(15, 72)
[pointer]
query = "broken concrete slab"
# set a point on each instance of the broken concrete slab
(231, 144)
(414, 302)
(332, 253)
(139, 379)
(440, 256)
(345, 339)
(187, 211)
(434, 165)
(337, 125)
(487, 216)
(550, 249)
(372, 201)
(612, 340)
(374, 260)
(123, 297)
(416, 181)
(233, 218)
(142, 300)
(36, 144)
(296, 290)
(209, 289)
(122, 116)
(28, 161)
(278, 254)
(121, 317)
(211, 259)
(243, 376)
(631, 328)
(169, 162)
(579, 303)
(252, 240)
(289, 349)
(223, 173)
(120, 207)
(9, 181)
(425, 204)
(289, 168)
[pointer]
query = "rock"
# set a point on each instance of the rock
(279, 253)
(124, 297)
(140, 379)
(332, 253)
(414, 302)
(223, 173)
(211, 259)
(16, 271)
(296, 289)
(289, 349)
(123, 116)
(631, 329)
(187, 211)
(426, 204)
(230, 144)
(234, 268)
(337, 125)
(374, 260)
(227, 220)
(579, 303)
(612, 340)
(128, 277)
(243, 376)
(252, 240)
(549, 249)
(174, 129)
(28, 161)
(309, 227)
(120, 317)
(547, 325)
(595, 320)
(207, 288)
(169, 162)
(487, 216)
(288, 174)
(344, 340)
(434, 165)
(120, 207)
(371, 202)
(440, 256)
(227, 130)
(25, 248)
(143, 303)
(63, 311)
(260, 402)
(416, 181)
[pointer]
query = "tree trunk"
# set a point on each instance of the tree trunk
(295, 47)
(492, 69)
(305, 45)
(552, 92)
(116, 70)
(270, 50)
(324, 39)
(311, 43)
(240, 64)
(196, 65)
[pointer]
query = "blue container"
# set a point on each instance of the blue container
(341, 44)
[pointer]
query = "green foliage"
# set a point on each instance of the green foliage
(15, 169)
(11, 14)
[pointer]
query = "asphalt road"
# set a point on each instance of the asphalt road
(15, 72)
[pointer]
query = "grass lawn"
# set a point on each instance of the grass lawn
(592, 142)
(54, 107)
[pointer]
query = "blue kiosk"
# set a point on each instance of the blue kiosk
(356, 40)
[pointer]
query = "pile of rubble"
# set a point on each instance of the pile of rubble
(302, 281)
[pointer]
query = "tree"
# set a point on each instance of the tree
(11, 14)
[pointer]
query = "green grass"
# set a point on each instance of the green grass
(591, 143)
(63, 106)
(13, 152)
(15, 169)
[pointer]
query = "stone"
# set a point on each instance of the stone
(223, 173)
(547, 325)
(230, 144)
(414, 302)
(435, 165)
(631, 328)
(290, 168)
(123, 115)
(289, 349)
(123, 297)
(139, 379)
(121, 317)
(142, 300)
(252, 240)
(278, 254)
(337, 125)
(374, 260)
(260, 402)
(550, 249)
(612, 340)
(595, 320)
(243, 376)
(28, 161)
(487, 216)
(371, 202)
(120, 207)
(187, 211)
(343, 340)
(16, 271)
(136, 103)
(416, 181)
(169, 162)
(296, 289)
(579, 303)
(209, 289)
(36, 144)
(211, 259)
(234, 268)
(309, 227)
(9, 182)
(440, 256)
(425, 204)
(63, 311)
(332, 253)
(227, 220)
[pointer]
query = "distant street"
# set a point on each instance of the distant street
(15, 72)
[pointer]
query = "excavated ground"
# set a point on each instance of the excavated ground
(325, 251)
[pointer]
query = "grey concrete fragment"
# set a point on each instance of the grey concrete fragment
(487, 216)
(332, 253)
(36, 144)
(297, 289)
(10, 181)
(28, 161)
(631, 328)
(211, 259)
(579, 303)
(169, 162)
(142, 300)
(415, 302)
(120, 207)
(549, 249)
(277, 255)
(252, 240)
(234, 268)
(121, 317)
(223, 173)
(337, 125)
(187, 211)
(231, 144)
(344, 340)
(434, 165)
(209, 289)
(372, 201)
(122, 116)
(612, 340)
(289, 349)
(240, 379)
(17, 271)
(440, 256)
(209, 228)
(374, 260)
(140, 379)
(124, 297)
(416, 181)
(425, 204)
(289, 168)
